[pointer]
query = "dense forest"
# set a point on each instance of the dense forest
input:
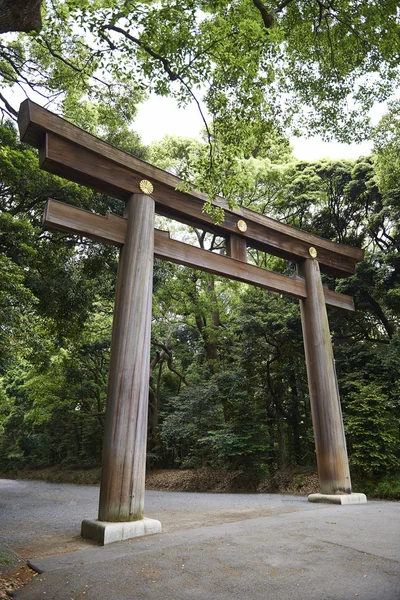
(228, 385)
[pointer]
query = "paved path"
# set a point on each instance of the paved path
(214, 547)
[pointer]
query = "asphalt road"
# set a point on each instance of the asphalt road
(213, 547)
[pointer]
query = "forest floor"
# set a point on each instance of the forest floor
(185, 480)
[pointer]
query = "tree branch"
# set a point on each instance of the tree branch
(165, 63)
(168, 354)
(173, 76)
(9, 108)
(268, 17)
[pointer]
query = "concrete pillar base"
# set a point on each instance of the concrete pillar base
(338, 498)
(106, 532)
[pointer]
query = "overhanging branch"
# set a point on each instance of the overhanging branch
(268, 16)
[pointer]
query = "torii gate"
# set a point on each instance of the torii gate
(70, 152)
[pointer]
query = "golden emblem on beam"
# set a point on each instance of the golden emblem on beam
(312, 252)
(146, 186)
(241, 225)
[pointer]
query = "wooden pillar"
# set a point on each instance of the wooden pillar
(124, 453)
(330, 442)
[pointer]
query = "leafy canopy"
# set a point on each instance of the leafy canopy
(255, 62)
(255, 69)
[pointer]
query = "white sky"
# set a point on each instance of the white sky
(160, 116)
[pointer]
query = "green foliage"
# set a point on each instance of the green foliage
(388, 487)
(15, 307)
(387, 142)
(372, 429)
(218, 425)
(228, 379)
(188, 419)
(54, 414)
(55, 326)
(242, 442)
(259, 69)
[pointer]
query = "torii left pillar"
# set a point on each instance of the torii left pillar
(121, 507)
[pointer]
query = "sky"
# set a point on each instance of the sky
(160, 116)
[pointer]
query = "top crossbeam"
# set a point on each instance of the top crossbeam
(70, 152)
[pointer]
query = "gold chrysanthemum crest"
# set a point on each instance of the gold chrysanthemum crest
(146, 186)
(241, 225)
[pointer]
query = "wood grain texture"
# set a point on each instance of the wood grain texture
(190, 256)
(111, 230)
(236, 247)
(124, 455)
(338, 300)
(87, 160)
(330, 442)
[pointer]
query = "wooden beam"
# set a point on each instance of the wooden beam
(71, 152)
(111, 230)
(218, 264)
(338, 300)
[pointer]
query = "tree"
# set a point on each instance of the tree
(340, 200)
(254, 69)
(19, 15)
(372, 430)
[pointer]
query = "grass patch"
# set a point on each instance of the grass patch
(6, 560)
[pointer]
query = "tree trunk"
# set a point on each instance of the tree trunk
(281, 441)
(20, 15)
(295, 419)
(210, 343)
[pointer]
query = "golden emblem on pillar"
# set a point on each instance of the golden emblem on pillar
(241, 225)
(312, 252)
(146, 187)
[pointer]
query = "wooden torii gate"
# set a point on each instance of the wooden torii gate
(70, 152)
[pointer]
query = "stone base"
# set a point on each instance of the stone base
(338, 498)
(105, 532)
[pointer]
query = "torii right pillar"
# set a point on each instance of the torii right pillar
(330, 441)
